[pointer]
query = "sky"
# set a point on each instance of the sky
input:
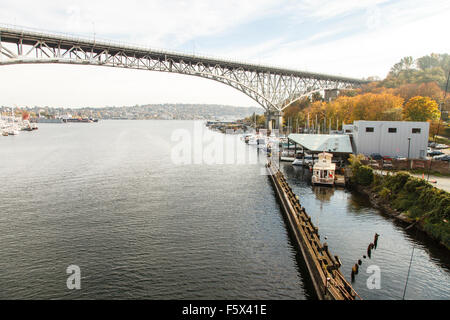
(346, 37)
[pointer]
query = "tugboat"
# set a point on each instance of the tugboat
(324, 170)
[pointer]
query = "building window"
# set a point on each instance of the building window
(392, 130)
(415, 130)
(369, 129)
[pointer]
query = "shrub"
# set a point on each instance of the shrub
(413, 184)
(364, 175)
(397, 181)
(385, 193)
(415, 212)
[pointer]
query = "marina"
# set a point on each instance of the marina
(11, 125)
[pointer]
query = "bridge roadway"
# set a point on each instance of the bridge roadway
(323, 268)
(272, 87)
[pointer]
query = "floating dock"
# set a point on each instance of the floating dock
(324, 269)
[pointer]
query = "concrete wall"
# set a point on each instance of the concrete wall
(386, 143)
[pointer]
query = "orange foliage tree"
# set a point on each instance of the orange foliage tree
(421, 109)
(428, 89)
(368, 106)
(380, 106)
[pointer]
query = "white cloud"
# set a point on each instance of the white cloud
(156, 23)
(383, 36)
(326, 9)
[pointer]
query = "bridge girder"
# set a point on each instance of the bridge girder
(273, 88)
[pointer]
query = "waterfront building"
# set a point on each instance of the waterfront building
(389, 138)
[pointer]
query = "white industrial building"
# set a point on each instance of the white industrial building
(390, 138)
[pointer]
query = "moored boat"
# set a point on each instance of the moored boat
(324, 170)
(303, 159)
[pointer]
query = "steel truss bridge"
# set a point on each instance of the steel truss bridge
(273, 88)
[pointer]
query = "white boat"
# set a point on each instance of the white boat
(253, 140)
(299, 161)
(13, 131)
(324, 170)
(261, 142)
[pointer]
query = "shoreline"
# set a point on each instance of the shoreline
(386, 209)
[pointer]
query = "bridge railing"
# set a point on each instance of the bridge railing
(110, 42)
(132, 46)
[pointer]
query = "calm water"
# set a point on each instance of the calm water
(108, 198)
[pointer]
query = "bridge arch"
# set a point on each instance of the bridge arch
(272, 88)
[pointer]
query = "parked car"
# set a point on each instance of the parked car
(444, 157)
(435, 153)
(374, 164)
(441, 146)
(376, 156)
(387, 158)
(387, 164)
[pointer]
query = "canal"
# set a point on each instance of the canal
(110, 198)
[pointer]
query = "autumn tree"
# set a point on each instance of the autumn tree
(421, 109)
(294, 113)
(316, 96)
(372, 106)
(428, 89)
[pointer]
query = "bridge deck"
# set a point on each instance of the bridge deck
(28, 37)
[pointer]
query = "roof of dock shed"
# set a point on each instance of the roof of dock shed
(334, 143)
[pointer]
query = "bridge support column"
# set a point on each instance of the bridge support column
(274, 120)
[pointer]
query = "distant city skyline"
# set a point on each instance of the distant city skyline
(348, 38)
(143, 112)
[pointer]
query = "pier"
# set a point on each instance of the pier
(323, 268)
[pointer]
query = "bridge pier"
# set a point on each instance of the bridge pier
(274, 120)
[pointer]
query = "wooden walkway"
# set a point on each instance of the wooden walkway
(324, 269)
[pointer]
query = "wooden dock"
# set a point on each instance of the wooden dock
(324, 269)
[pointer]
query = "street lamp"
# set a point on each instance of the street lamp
(409, 147)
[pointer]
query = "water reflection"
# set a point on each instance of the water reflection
(323, 193)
